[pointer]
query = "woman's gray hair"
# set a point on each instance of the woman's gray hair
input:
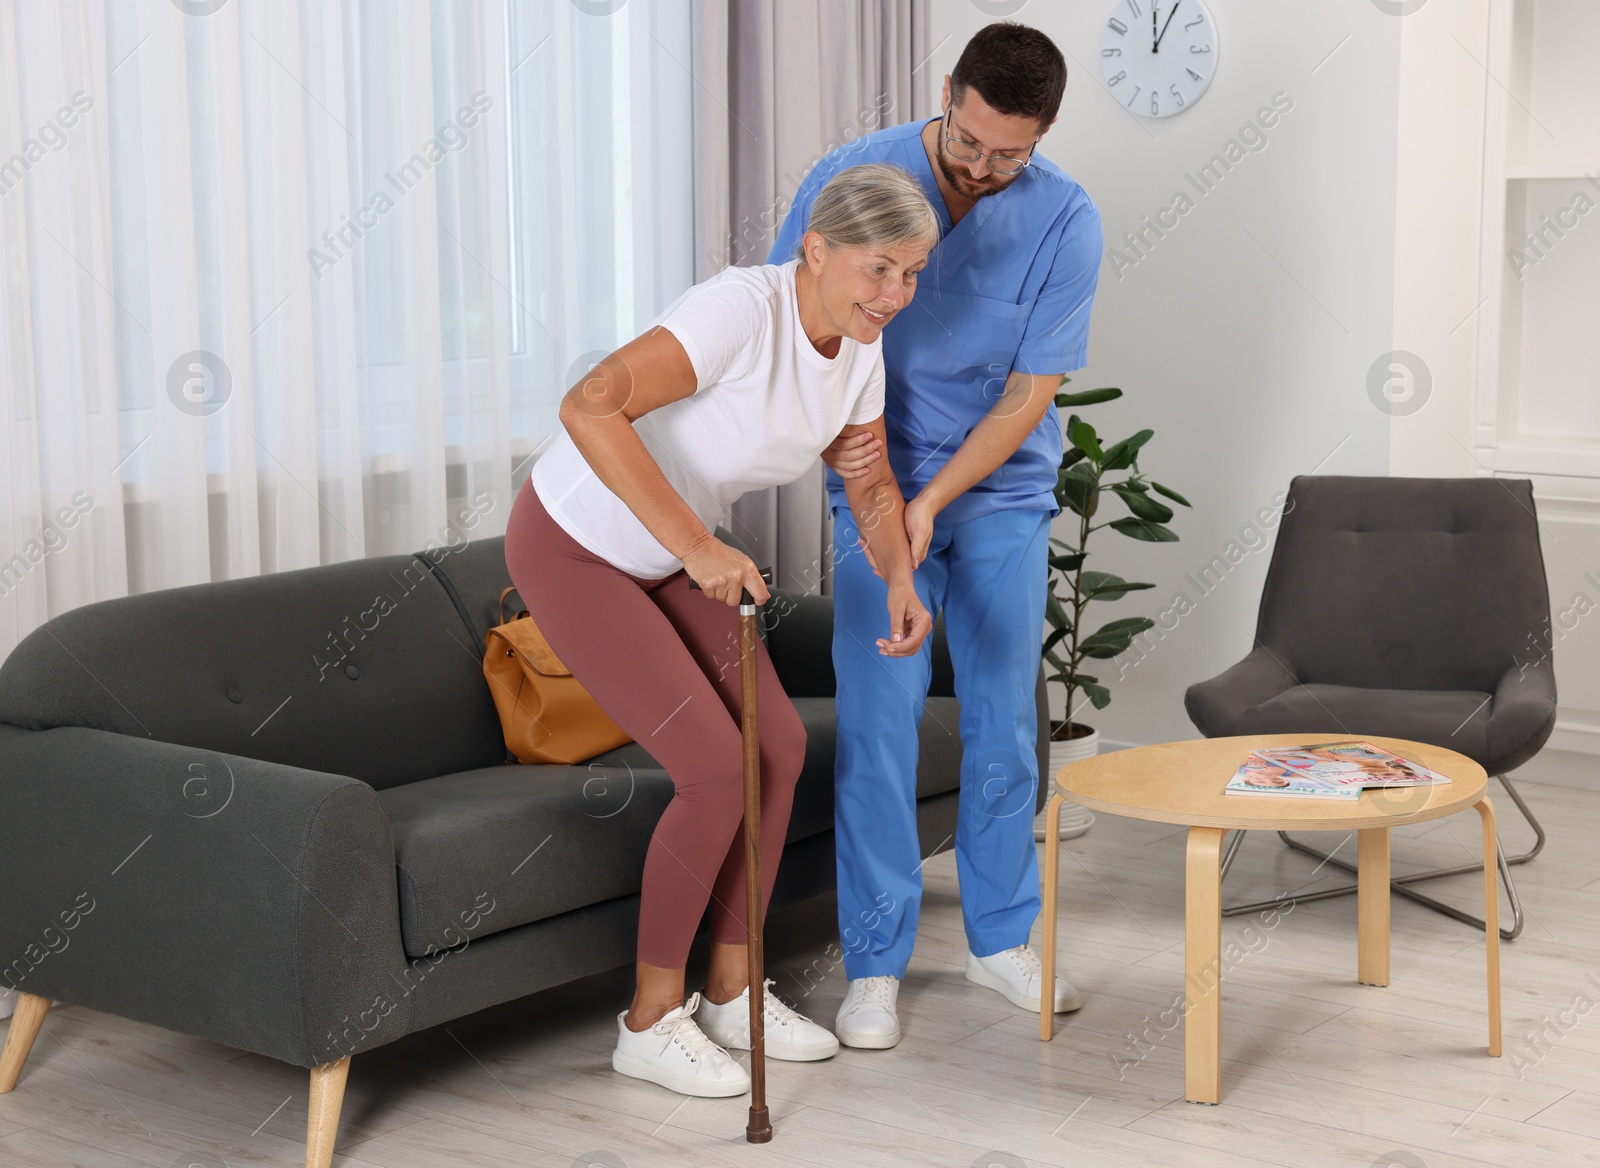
(873, 205)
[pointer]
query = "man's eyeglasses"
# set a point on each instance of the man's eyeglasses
(965, 151)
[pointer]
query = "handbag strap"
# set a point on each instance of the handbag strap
(500, 607)
(450, 590)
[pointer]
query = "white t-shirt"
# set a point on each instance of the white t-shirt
(765, 406)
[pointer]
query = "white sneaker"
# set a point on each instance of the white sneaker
(675, 1054)
(867, 1018)
(1016, 973)
(791, 1037)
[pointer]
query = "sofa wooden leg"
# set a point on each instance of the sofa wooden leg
(322, 1123)
(25, 1023)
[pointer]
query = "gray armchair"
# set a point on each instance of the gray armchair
(1409, 608)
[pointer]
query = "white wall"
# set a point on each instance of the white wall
(1475, 413)
(1247, 356)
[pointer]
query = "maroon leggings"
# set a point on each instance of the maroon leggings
(663, 662)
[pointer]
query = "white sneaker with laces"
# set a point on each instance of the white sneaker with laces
(791, 1036)
(867, 1017)
(675, 1054)
(1017, 974)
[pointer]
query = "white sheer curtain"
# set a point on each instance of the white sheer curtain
(294, 283)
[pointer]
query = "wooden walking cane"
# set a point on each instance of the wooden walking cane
(759, 1128)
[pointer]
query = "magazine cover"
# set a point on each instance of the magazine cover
(1260, 776)
(1351, 764)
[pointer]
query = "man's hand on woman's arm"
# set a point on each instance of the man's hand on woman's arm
(882, 517)
(645, 374)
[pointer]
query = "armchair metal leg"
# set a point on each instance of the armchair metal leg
(1398, 883)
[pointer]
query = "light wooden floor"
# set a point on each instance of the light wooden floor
(1316, 1069)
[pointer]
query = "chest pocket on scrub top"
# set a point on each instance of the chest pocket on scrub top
(994, 333)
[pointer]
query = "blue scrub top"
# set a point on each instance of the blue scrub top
(1009, 287)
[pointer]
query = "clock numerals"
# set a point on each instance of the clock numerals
(1148, 82)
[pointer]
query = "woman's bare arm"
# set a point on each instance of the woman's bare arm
(645, 374)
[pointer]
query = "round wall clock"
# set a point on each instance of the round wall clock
(1158, 56)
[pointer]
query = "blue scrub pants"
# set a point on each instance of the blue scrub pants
(988, 575)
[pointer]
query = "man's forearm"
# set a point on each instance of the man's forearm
(995, 438)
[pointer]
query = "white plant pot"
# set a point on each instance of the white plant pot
(1075, 820)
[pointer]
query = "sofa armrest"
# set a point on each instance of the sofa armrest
(799, 633)
(246, 902)
(1214, 706)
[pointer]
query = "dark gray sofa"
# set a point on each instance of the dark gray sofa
(276, 812)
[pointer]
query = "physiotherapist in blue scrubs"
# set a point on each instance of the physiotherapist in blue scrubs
(1001, 314)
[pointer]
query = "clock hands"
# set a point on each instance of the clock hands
(1157, 47)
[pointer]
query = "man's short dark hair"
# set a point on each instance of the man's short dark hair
(1017, 70)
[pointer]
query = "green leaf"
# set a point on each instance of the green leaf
(1060, 665)
(1107, 647)
(1098, 695)
(1055, 613)
(1056, 638)
(1120, 455)
(1077, 488)
(1143, 506)
(1068, 563)
(1105, 586)
(1129, 624)
(1086, 397)
(1070, 457)
(1145, 530)
(1082, 435)
(1169, 493)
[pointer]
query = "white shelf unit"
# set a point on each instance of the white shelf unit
(1538, 362)
(1538, 405)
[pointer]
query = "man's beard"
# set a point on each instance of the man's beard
(964, 183)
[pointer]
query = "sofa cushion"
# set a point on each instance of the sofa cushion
(486, 850)
(1453, 718)
(360, 669)
(490, 849)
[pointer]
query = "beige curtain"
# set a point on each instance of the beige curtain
(779, 84)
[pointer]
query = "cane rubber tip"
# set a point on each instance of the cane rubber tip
(759, 1129)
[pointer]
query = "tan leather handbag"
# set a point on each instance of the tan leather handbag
(546, 715)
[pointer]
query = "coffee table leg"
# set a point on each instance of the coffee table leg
(1052, 868)
(1491, 918)
(1372, 906)
(1202, 962)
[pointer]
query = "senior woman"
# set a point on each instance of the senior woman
(739, 384)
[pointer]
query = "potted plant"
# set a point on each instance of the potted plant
(1093, 473)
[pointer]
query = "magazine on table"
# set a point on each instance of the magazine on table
(1327, 770)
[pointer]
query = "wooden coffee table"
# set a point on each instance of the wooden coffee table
(1182, 783)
